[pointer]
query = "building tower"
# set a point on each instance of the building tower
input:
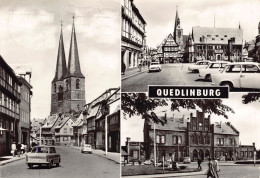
(74, 80)
(178, 31)
(57, 82)
(68, 85)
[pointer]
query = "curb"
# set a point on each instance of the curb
(98, 155)
(10, 161)
(126, 77)
(166, 175)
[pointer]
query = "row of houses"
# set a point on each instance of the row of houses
(15, 107)
(99, 119)
(194, 137)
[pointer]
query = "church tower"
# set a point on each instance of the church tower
(57, 83)
(74, 80)
(178, 31)
(68, 85)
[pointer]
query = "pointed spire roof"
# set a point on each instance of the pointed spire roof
(61, 68)
(177, 22)
(73, 63)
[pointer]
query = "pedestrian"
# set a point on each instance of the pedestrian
(123, 67)
(22, 149)
(210, 172)
(18, 149)
(140, 67)
(13, 149)
(199, 163)
(215, 166)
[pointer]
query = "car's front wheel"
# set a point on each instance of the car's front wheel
(50, 165)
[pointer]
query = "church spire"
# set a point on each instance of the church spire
(177, 23)
(239, 27)
(61, 68)
(73, 63)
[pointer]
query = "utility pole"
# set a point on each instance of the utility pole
(106, 134)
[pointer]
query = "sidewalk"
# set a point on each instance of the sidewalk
(132, 72)
(170, 175)
(10, 159)
(110, 155)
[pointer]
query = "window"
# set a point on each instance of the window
(250, 69)
(220, 141)
(77, 84)
(233, 69)
(160, 139)
(135, 154)
(65, 130)
(52, 150)
(71, 130)
(65, 138)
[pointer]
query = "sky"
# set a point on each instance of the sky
(29, 36)
(246, 120)
(160, 16)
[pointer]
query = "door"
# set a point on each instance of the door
(250, 76)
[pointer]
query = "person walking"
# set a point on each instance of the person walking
(199, 163)
(123, 67)
(18, 149)
(13, 149)
(210, 172)
(215, 166)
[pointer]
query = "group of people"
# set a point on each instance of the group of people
(18, 149)
(213, 167)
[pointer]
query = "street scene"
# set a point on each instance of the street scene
(56, 118)
(73, 164)
(218, 44)
(189, 137)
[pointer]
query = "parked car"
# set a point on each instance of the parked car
(239, 75)
(155, 66)
(186, 160)
(148, 162)
(86, 148)
(43, 155)
(212, 68)
(198, 65)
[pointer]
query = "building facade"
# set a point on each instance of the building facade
(24, 127)
(10, 99)
(132, 35)
(194, 137)
(216, 44)
(68, 85)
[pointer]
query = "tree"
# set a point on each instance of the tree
(140, 104)
(250, 97)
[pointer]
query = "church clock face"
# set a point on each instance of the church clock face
(179, 34)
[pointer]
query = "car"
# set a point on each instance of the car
(213, 67)
(86, 148)
(155, 66)
(198, 65)
(148, 162)
(43, 155)
(186, 160)
(239, 75)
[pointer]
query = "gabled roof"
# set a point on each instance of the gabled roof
(225, 128)
(170, 41)
(176, 124)
(50, 121)
(217, 35)
(63, 122)
(78, 120)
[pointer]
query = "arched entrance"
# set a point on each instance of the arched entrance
(195, 154)
(207, 154)
(201, 154)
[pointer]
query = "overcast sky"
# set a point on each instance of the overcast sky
(160, 16)
(246, 120)
(29, 35)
